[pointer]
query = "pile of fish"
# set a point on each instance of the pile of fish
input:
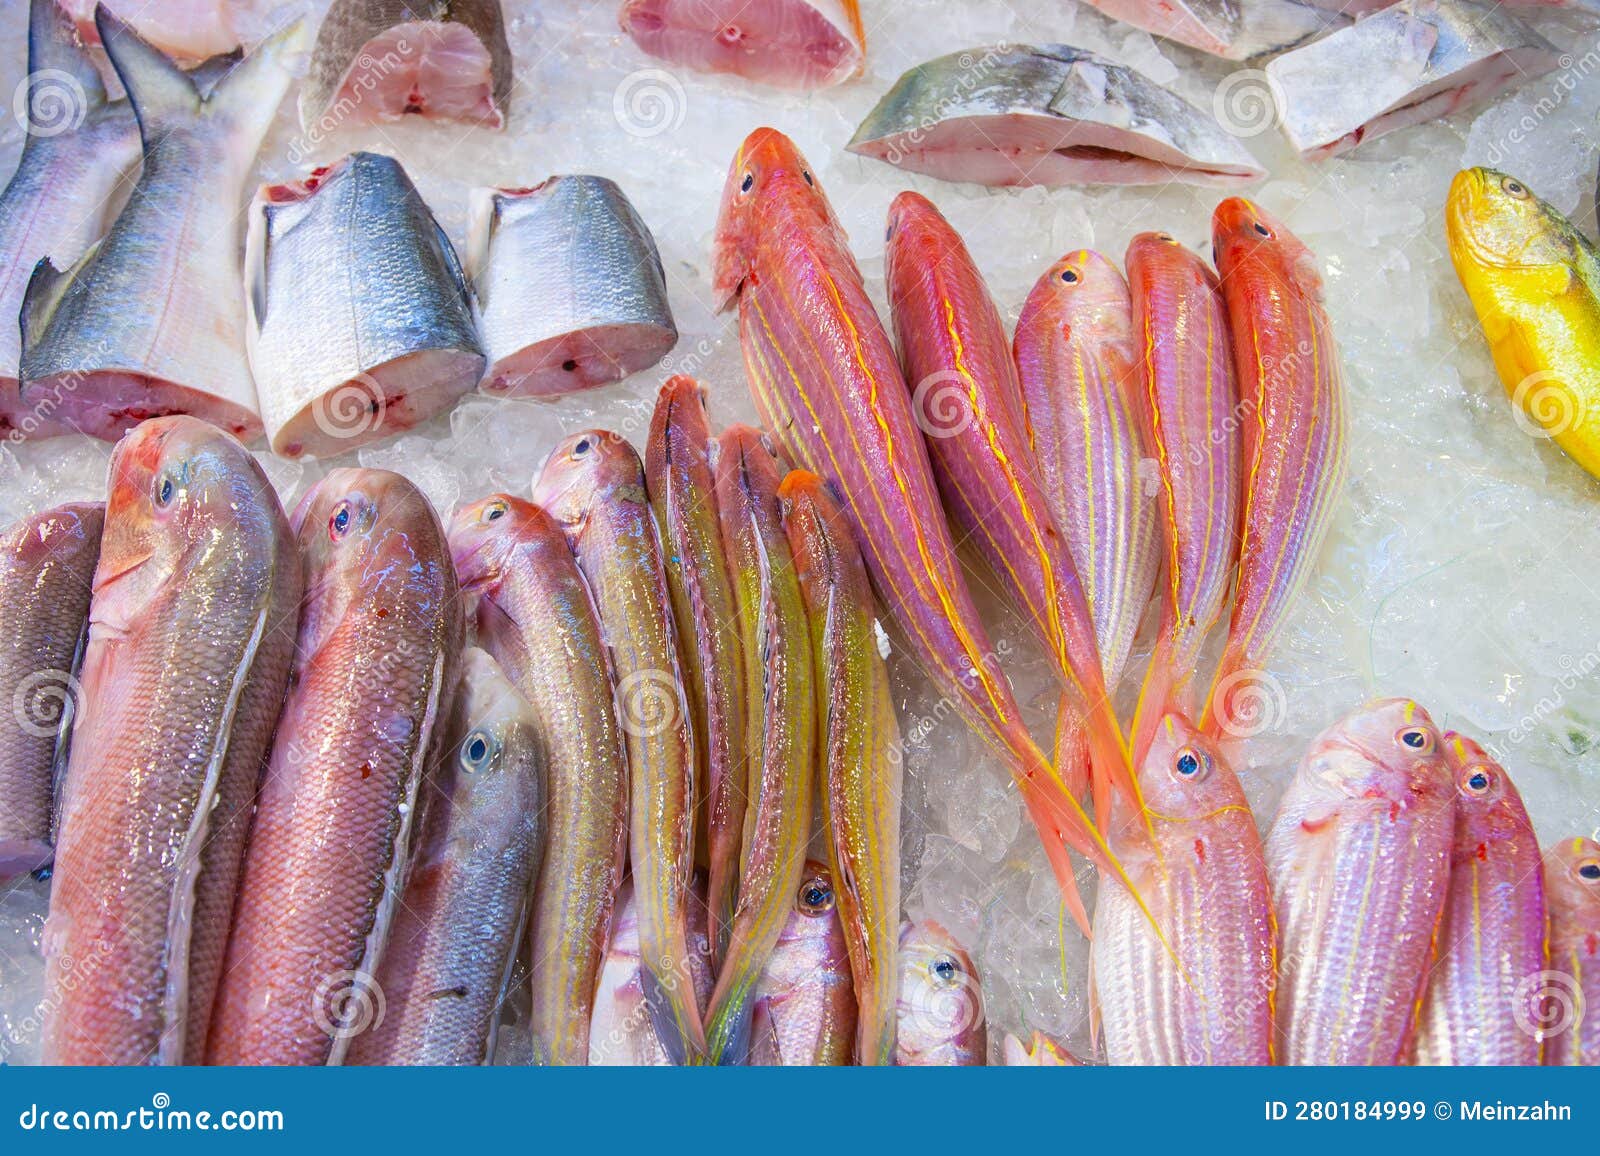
(149, 319)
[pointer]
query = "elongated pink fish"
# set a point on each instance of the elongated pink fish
(1185, 364)
(966, 398)
(1207, 1000)
(1359, 860)
(825, 378)
(1291, 387)
(593, 484)
(1569, 1014)
(1084, 413)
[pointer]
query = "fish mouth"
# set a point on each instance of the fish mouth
(103, 582)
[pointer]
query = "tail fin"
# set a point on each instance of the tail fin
(53, 47)
(1071, 753)
(164, 97)
(1160, 686)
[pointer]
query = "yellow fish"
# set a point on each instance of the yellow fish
(1535, 281)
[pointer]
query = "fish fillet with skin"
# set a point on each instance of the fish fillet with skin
(47, 564)
(76, 152)
(445, 971)
(1359, 862)
(151, 321)
(1232, 29)
(534, 612)
(386, 343)
(570, 285)
(593, 484)
(1411, 63)
(335, 825)
(1567, 1009)
(1047, 115)
(805, 1009)
(378, 60)
(798, 44)
(191, 635)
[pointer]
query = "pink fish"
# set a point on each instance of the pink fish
(942, 1021)
(1491, 938)
(1186, 369)
(1569, 1014)
(1291, 388)
(805, 1009)
(803, 44)
(1359, 860)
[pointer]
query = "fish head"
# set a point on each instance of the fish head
(1244, 236)
(1086, 291)
(917, 236)
(1183, 775)
(1388, 751)
(179, 488)
(495, 726)
(486, 535)
(1494, 220)
(368, 540)
(815, 901)
(586, 468)
(1572, 873)
(768, 175)
(940, 1011)
(1488, 806)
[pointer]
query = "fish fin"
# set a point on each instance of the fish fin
(1154, 695)
(249, 92)
(46, 287)
(1094, 1008)
(53, 46)
(258, 238)
(1055, 851)
(161, 93)
(659, 1004)
(212, 71)
(1071, 753)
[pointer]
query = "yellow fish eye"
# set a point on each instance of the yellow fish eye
(1514, 188)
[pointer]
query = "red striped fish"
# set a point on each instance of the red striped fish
(825, 378)
(1084, 413)
(1186, 366)
(1295, 456)
(966, 398)
(1570, 990)
(1491, 938)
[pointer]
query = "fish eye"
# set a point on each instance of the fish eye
(1190, 764)
(944, 970)
(339, 523)
(1419, 739)
(581, 447)
(816, 896)
(476, 751)
(165, 489)
(1260, 228)
(1070, 276)
(1514, 188)
(1589, 869)
(494, 511)
(1167, 237)
(749, 182)
(806, 173)
(1477, 780)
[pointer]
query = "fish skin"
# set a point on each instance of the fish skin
(861, 761)
(93, 339)
(1207, 1000)
(1359, 861)
(520, 578)
(798, 44)
(1052, 115)
(47, 564)
(1572, 888)
(450, 958)
(1185, 367)
(452, 56)
(1294, 453)
(1412, 62)
(343, 361)
(1234, 31)
(1039, 1052)
(841, 409)
(781, 771)
(805, 1009)
(330, 849)
(622, 1032)
(571, 286)
(941, 1015)
(680, 476)
(953, 348)
(593, 484)
(76, 152)
(1534, 282)
(1492, 933)
(191, 634)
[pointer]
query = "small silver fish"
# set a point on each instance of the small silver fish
(570, 284)
(378, 60)
(75, 153)
(150, 321)
(1233, 29)
(360, 321)
(446, 968)
(1415, 62)
(1047, 115)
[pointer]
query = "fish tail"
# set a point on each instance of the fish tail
(1110, 771)
(676, 1025)
(1159, 689)
(1071, 749)
(732, 1005)
(53, 47)
(1232, 674)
